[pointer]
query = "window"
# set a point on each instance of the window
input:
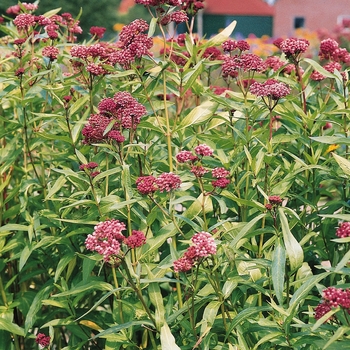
(344, 22)
(299, 22)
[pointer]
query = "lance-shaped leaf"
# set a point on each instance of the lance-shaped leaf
(293, 248)
(278, 270)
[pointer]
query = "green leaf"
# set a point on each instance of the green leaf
(13, 227)
(247, 227)
(338, 334)
(34, 309)
(198, 115)
(157, 301)
(300, 294)
(81, 157)
(190, 76)
(167, 340)
(332, 140)
(343, 163)
(78, 104)
(118, 328)
(209, 315)
(293, 248)
(154, 243)
(11, 327)
(343, 262)
(57, 186)
(278, 268)
(152, 26)
(218, 39)
(65, 260)
(246, 314)
(93, 285)
(319, 68)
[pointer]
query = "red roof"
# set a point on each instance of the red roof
(238, 7)
(125, 6)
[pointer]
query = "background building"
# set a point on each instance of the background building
(311, 14)
(253, 17)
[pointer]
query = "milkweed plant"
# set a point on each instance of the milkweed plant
(168, 191)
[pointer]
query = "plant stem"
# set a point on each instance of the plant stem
(138, 292)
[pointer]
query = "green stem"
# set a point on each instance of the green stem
(138, 292)
(168, 129)
(117, 294)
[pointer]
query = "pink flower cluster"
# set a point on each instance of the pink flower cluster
(159, 2)
(133, 43)
(50, 52)
(333, 297)
(107, 239)
(336, 56)
(245, 62)
(270, 88)
(198, 170)
(330, 50)
(177, 17)
(98, 32)
(16, 9)
(165, 182)
(230, 45)
(26, 22)
(293, 47)
(43, 340)
(122, 111)
(343, 230)
(274, 202)
(222, 177)
(203, 246)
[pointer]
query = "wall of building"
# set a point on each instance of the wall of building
(317, 14)
(246, 25)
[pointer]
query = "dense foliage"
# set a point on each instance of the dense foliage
(173, 193)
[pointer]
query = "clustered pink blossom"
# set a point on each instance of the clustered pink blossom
(43, 340)
(343, 230)
(51, 52)
(332, 66)
(97, 31)
(331, 298)
(176, 17)
(122, 111)
(192, 6)
(230, 45)
(146, 184)
(107, 239)
(203, 246)
(274, 62)
(274, 202)
(137, 239)
(159, 2)
(270, 88)
(186, 156)
(88, 166)
(293, 47)
(168, 181)
(24, 21)
(165, 182)
(245, 62)
(220, 173)
(203, 150)
(198, 170)
(16, 9)
(317, 76)
(133, 42)
(212, 53)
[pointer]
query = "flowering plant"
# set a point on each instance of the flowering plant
(192, 197)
